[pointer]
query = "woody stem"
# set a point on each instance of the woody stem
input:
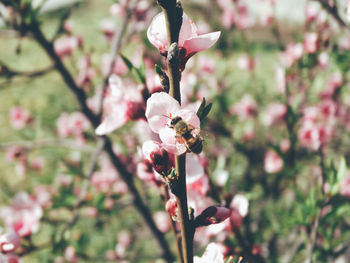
(173, 17)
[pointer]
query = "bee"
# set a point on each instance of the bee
(184, 135)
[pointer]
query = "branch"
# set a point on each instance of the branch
(333, 10)
(94, 120)
(9, 73)
(115, 48)
(173, 17)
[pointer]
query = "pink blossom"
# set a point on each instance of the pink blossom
(323, 60)
(108, 28)
(333, 83)
(157, 156)
(162, 221)
(19, 118)
(37, 164)
(293, 53)
(23, 215)
(86, 71)
(239, 206)
(15, 153)
(198, 202)
(161, 107)
(70, 254)
(245, 108)
(65, 45)
(344, 43)
(345, 186)
(246, 62)
(64, 180)
(212, 254)
(228, 17)
(43, 196)
(273, 163)
(274, 113)
(90, 211)
(212, 215)
(171, 208)
(313, 135)
(120, 105)
(310, 42)
(312, 11)
(68, 26)
(124, 241)
(9, 242)
(189, 40)
(285, 145)
(10, 258)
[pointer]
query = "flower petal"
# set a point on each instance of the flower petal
(188, 30)
(112, 121)
(157, 34)
(202, 42)
(167, 136)
(190, 117)
(159, 106)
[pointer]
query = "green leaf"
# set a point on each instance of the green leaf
(203, 109)
(137, 73)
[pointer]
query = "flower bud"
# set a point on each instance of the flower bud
(157, 155)
(171, 208)
(212, 215)
(9, 242)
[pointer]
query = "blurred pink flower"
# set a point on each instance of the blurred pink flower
(292, 53)
(9, 242)
(310, 42)
(212, 254)
(123, 242)
(212, 215)
(312, 11)
(19, 118)
(65, 45)
(323, 60)
(280, 76)
(161, 107)
(120, 105)
(108, 28)
(274, 113)
(273, 163)
(246, 62)
(23, 215)
(15, 153)
(86, 71)
(162, 221)
(171, 208)
(312, 135)
(70, 254)
(189, 40)
(245, 108)
(10, 258)
(239, 206)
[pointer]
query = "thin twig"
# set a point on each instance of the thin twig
(114, 51)
(84, 188)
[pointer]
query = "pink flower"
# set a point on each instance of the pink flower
(171, 208)
(323, 60)
(189, 40)
(293, 53)
(10, 258)
(162, 221)
(9, 242)
(157, 156)
(120, 106)
(23, 215)
(124, 241)
(239, 206)
(245, 108)
(347, 10)
(273, 163)
(19, 118)
(70, 254)
(212, 254)
(119, 66)
(161, 107)
(274, 113)
(65, 45)
(212, 215)
(246, 62)
(108, 28)
(310, 42)
(313, 135)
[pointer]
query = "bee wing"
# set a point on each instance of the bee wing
(201, 133)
